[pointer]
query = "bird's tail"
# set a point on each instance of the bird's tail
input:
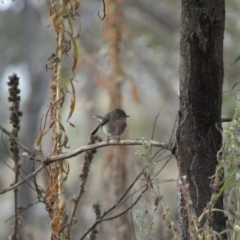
(95, 129)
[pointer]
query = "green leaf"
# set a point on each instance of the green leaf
(235, 61)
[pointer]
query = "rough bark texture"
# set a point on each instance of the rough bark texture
(201, 77)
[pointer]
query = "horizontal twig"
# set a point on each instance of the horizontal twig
(51, 159)
(226, 119)
(48, 160)
(29, 176)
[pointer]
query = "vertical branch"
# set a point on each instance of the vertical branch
(83, 178)
(97, 211)
(61, 14)
(14, 97)
(58, 143)
(114, 33)
(55, 204)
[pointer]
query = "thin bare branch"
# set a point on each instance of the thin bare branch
(160, 159)
(5, 146)
(48, 160)
(154, 124)
(102, 219)
(132, 223)
(127, 209)
(226, 119)
(22, 210)
(116, 204)
(15, 139)
(129, 188)
(6, 164)
(104, 11)
(29, 185)
(164, 165)
(127, 198)
(82, 149)
(22, 170)
(83, 177)
(173, 129)
(22, 180)
(97, 211)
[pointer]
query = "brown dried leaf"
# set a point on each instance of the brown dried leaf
(51, 125)
(75, 54)
(42, 131)
(66, 46)
(71, 124)
(50, 61)
(50, 20)
(67, 167)
(61, 127)
(135, 93)
(77, 3)
(73, 100)
(39, 139)
(65, 141)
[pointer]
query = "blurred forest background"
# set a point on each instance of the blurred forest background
(150, 59)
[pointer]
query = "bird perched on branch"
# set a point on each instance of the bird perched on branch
(112, 124)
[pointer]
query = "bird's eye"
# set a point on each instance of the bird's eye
(119, 115)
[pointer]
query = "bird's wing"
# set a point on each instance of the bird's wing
(98, 117)
(103, 121)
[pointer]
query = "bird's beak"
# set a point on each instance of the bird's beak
(127, 116)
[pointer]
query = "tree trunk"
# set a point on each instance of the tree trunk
(201, 77)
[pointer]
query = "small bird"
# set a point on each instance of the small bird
(113, 124)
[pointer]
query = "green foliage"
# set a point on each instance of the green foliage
(144, 225)
(231, 158)
(228, 157)
(237, 59)
(151, 177)
(150, 164)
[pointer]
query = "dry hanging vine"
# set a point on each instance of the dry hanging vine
(62, 15)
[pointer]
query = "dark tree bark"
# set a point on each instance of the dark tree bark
(201, 77)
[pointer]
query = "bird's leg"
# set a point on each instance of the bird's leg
(118, 138)
(108, 139)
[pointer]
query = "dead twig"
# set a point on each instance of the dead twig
(116, 216)
(47, 160)
(154, 126)
(104, 11)
(226, 119)
(22, 210)
(22, 180)
(15, 139)
(83, 178)
(82, 149)
(50, 159)
(102, 218)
